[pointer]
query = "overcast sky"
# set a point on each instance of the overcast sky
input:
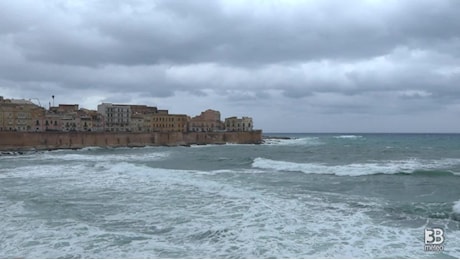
(294, 66)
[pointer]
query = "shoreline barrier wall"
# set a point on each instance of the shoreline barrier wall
(15, 141)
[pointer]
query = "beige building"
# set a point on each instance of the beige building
(90, 120)
(234, 124)
(62, 118)
(70, 118)
(68, 115)
(20, 115)
(23, 115)
(147, 123)
(143, 110)
(65, 109)
(137, 123)
(141, 118)
(165, 122)
(207, 121)
(51, 122)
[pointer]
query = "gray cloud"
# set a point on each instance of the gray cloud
(320, 61)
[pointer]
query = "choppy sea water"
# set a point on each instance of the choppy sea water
(315, 196)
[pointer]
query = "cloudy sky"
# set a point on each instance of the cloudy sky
(294, 66)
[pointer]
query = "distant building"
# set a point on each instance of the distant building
(137, 123)
(90, 121)
(141, 118)
(143, 110)
(23, 115)
(67, 116)
(70, 118)
(51, 122)
(234, 124)
(164, 122)
(117, 117)
(20, 115)
(65, 109)
(207, 121)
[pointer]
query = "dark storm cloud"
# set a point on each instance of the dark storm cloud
(321, 57)
(206, 31)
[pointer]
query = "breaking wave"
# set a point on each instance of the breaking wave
(348, 136)
(142, 212)
(456, 207)
(420, 211)
(305, 141)
(105, 157)
(358, 169)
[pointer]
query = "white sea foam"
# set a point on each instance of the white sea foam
(305, 141)
(165, 213)
(149, 212)
(456, 207)
(91, 148)
(218, 220)
(355, 169)
(148, 156)
(204, 145)
(348, 136)
(229, 171)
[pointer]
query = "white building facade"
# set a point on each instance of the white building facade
(117, 117)
(234, 124)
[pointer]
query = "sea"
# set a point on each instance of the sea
(309, 196)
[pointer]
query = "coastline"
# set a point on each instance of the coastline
(30, 141)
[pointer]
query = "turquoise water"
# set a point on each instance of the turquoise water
(313, 196)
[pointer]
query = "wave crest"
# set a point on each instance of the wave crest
(355, 169)
(456, 207)
(151, 156)
(348, 136)
(305, 141)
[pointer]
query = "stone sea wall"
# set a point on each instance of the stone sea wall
(16, 141)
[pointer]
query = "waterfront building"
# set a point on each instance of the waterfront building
(51, 122)
(90, 120)
(137, 123)
(67, 114)
(143, 110)
(19, 115)
(147, 123)
(207, 121)
(70, 118)
(60, 118)
(117, 117)
(65, 109)
(165, 122)
(141, 118)
(234, 124)
(23, 115)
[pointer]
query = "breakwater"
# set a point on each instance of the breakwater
(17, 141)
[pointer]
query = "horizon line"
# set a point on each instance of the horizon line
(351, 133)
